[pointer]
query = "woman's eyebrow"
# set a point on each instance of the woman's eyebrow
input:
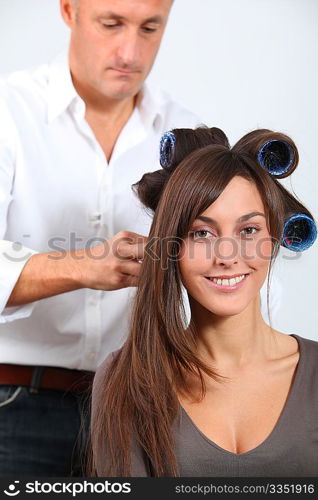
(243, 218)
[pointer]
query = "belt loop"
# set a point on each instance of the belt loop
(36, 379)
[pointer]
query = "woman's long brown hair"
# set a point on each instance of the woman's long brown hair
(136, 400)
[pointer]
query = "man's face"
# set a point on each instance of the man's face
(114, 43)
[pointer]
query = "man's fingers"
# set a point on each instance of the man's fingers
(132, 281)
(126, 280)
(127, 250)
(130, 268)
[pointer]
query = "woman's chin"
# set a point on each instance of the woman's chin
(222, 306)
(226, 310)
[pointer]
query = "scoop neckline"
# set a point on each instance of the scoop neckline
(291, 396)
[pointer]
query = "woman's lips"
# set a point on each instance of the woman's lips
(226, 288)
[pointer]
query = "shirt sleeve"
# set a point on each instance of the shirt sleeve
(13, 256)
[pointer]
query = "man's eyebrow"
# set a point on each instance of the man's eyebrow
(243, 218)
(154, 20)
(117, 17)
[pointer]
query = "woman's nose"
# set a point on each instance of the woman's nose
(226, 251)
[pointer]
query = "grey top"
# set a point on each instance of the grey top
(291, 449)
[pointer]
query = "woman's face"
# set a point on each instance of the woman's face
(225, 257)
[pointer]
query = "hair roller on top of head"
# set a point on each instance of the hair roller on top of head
(177, 144)
(277, 157)
(167, 145)
(299, 232)
(274, 151)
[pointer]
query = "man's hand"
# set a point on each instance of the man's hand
(112, 265)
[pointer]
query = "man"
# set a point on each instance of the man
(74, 136)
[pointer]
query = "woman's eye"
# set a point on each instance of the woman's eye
(249, 231)
(201, 234)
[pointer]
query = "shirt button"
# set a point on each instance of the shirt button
(95, 219)
(96, 216)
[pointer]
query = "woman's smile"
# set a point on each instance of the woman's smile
(227, 284)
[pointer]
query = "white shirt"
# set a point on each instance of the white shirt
(57, 192)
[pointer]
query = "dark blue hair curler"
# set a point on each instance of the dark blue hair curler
(299, 233)
(277, 157)
(167, 144)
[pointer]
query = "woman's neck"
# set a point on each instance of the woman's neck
(234, 342)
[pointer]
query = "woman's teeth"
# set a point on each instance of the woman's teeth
(228, 282)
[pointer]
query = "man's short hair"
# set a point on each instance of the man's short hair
(76, 2)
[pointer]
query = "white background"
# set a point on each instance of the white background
(239, 64)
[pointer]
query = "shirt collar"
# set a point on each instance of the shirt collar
(151, 105)
(62, 93)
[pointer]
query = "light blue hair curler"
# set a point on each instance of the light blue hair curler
(277, 157)
(299, 233)
(167, 145)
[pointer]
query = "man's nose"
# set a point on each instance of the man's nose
(129, 48)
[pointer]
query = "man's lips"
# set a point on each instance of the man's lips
(125, 71)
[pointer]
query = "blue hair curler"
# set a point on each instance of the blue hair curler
(277, 157)
(167, 144)
(299, 233)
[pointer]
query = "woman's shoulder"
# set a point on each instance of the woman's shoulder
(306, 343)
(293, 342)
(299, 350)
(308, 349)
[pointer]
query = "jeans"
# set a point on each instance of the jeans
(42, 433)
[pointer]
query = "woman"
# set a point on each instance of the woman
(225, 395)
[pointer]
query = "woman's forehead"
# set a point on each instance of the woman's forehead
(239, 198)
